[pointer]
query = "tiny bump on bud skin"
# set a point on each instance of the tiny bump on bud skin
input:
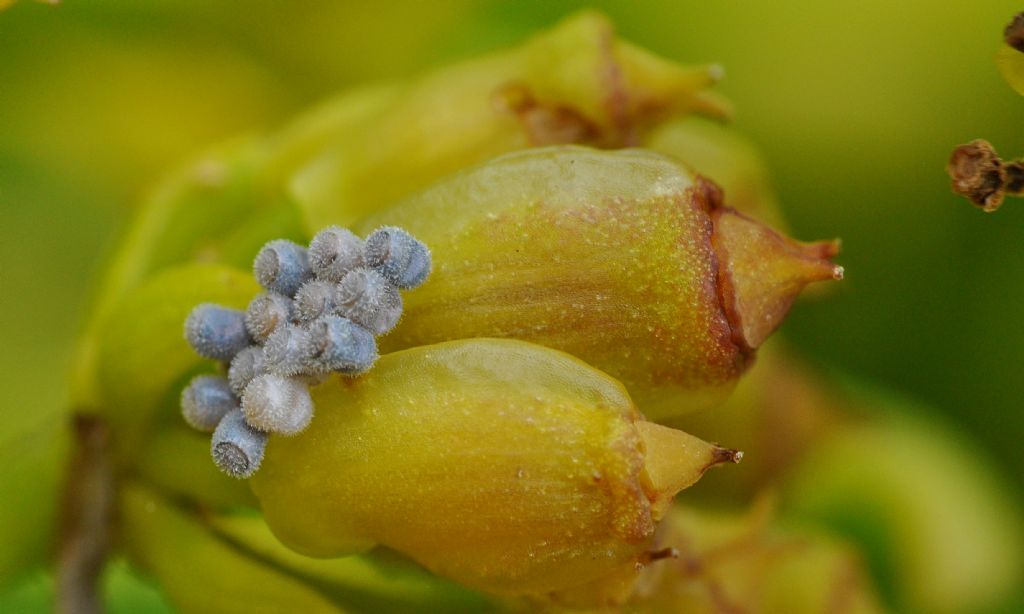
(278, 404)
(216, 332)
(206, 400)
(245, 366)
(236, 447)
(335, 251)
(282, 266)
(266, 313)
(342, 345)
(398, 256)
(370, 300)
(288, 351)
(315, 298)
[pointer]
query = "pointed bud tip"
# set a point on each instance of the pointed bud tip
(675, 460)
(721, 456)
(761, 272)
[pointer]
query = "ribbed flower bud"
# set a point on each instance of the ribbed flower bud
(236, 447)
(282, 266)
(575, 83)
(623, 259)
(367, 298)
(206, 400)
(507, 466)
(277, 404)
(216, 332)
(728, 562)
(333, 252)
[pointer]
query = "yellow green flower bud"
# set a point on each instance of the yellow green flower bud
(623, 259)
(728, 562)
(176, 461)
(506, 466)
(723, 155)
(940, 529)
(576, 83)
(143, 357)
(208, 561)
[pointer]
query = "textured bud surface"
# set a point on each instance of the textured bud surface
(576, 83)
(277, 404)
(335, 251)
(504, 465)
(236, 447)
(368, 299)
(216, 332)
(609, 256)
(206, 400)
(266, 313)
(282, 266)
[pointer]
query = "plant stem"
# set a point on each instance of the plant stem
(88, 517)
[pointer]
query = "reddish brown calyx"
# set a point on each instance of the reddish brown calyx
(761, 272)
(1013, 35)
(982, 177)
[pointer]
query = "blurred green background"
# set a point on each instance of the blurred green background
(856, 108)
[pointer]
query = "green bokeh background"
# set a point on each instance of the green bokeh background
(855, 106)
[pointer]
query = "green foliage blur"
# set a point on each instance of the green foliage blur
(856, 108)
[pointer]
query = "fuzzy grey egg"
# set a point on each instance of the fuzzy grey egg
(236, 447)
(278, 404)
(335, 251)
(289, 351)
(370, 300)
(266, 313)
(398, 256)
(342, 345)
(282, 266)
(245, 366)
(315, 298)
(206, 400)
(216, 332)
